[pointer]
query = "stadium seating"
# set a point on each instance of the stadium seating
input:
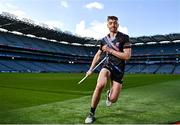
(168, 48)
(38, 55)
(150, 68)
(44, 45)
(34, 66)
(177, 69)
(137, 68)
(166, 69)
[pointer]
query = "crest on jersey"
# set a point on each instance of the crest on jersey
(117, 44)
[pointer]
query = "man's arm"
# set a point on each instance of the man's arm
(95, 60)
(121, 55)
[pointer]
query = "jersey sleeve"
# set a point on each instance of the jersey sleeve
(127, 43)
(102, 43)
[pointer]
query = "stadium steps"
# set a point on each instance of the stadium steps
(137, 68)
(157, 69)
(29, 66)
(166, 69)
(177, 69)
(173, 69)
(143, 68)
(150, 68)
(128, 67)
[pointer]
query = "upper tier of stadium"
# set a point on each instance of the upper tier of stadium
(10, 23)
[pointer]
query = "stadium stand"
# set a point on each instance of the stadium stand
(27, 47)
(166, 68)
(177, 69)
(152, 68)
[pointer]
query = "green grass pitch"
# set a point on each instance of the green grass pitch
(57, 98)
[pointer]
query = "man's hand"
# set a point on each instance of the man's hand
(89, 72)
(105, 48)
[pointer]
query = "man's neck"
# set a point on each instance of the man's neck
(113, 34)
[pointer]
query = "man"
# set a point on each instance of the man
(117, 49)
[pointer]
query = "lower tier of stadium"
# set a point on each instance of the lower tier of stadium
(37, 66)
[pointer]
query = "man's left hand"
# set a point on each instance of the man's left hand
(105, 48)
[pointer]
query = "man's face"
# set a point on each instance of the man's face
(112, 25)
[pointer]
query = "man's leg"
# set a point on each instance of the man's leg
(115, 91)
(101, 82)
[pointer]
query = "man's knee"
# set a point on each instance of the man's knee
(100, 86)
(113, 99)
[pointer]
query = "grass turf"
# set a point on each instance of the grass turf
(56, 98)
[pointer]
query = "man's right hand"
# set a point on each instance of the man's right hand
(89, 72)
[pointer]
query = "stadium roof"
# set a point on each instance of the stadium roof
(156, 38)
(28, 27)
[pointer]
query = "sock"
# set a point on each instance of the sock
(93, 110)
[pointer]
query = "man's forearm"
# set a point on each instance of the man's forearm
(95, 60)
(120, 55)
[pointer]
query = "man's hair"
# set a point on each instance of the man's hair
(112, 18)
